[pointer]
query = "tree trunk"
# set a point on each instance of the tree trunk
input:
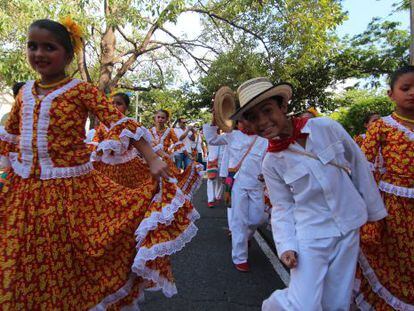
(107, 54)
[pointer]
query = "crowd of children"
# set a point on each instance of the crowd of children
(91, 223)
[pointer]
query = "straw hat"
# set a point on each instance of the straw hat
(224, 108)
(254, 91)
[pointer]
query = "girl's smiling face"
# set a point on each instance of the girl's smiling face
(46, 55)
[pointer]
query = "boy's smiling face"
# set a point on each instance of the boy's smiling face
(268, 119)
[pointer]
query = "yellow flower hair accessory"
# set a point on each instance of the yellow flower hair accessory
(313, 111)
(75, 32)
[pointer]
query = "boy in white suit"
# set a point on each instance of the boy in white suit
(322, 191)
(245, 155)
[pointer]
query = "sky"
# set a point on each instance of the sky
(361, 12)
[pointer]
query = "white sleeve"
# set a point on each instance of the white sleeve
(361, 175)
(224, 166)
(282, 220)
(212, 138)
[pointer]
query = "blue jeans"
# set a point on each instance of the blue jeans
(182, 160)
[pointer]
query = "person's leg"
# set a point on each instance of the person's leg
(239, 228)
(219, 187)
(211, 197)
(187, 160)
(306, 280)
(256, 211)
(340, 278)
(179, 160)
(200, 160)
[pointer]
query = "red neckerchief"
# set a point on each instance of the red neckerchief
(247, 132)
(277, 145)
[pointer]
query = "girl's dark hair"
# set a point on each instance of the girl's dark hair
(163, 111)
(369, 115)
(59, 32)
(16, 88)
(124, 97)
(398, 73)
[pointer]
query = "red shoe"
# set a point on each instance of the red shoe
(243, 267)
(211, 204)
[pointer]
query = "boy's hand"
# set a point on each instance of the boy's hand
(289, 258)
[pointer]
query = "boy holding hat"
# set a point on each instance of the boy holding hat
(322, 191)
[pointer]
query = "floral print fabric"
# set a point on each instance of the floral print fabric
(80, 241)
(386, 264)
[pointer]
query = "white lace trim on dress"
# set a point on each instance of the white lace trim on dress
(7, 137)
(379, 289)
(23, 167)
(389, 120)
(396, 190)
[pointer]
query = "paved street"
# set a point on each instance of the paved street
(206, 278)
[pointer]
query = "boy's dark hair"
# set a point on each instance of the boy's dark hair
(278, 99)
(398, 73)
(16, 88)
(163, 111)
(59, 32)
(124, 97)
(369, 115)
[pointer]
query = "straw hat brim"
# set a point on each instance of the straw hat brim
(283, 90)
(224, 108)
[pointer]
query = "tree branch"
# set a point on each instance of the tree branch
(139, 88)
(181, 62)
(198, 60)
(126, 37)
(231, 23)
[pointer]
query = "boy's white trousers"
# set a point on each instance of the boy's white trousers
(247, 213)
(323, 279)
(214, 189)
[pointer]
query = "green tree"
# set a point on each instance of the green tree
(295, 43)
(356, 105)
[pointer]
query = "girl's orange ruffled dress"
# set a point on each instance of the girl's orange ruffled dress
(385, 276)
(70, 237)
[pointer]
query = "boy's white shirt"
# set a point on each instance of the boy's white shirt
(237, 145)
(312, 199)
(186, 141)
(196, 144)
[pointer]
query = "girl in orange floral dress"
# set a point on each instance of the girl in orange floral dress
(165, 144)
(386, 264)
(128, 170)
(70, 238)
(370, 118)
